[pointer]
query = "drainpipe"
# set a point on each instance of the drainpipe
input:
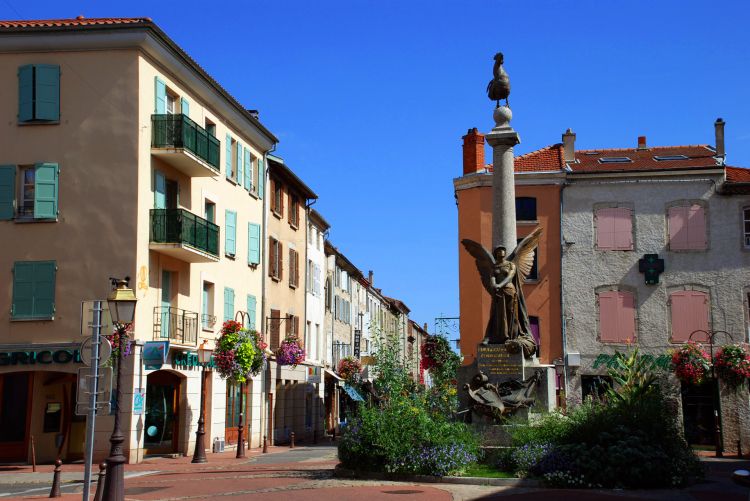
(264, 276)
(562, 295)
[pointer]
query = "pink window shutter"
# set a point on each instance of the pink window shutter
(696, 228)
(626, 317)
(608, 316)
(689, 313)
(678, 231)
(623, 228)
(605, 229)
(699, 314)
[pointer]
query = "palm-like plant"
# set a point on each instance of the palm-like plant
(633, 377)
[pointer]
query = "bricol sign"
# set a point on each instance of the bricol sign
(42, 356)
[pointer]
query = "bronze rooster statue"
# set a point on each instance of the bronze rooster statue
(499, 86)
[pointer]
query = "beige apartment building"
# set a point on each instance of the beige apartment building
(120, 156)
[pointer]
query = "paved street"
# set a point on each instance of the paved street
(307, 473)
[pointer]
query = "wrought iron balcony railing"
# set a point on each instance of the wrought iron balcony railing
(179, 226)
(179, 131)
(175, 325)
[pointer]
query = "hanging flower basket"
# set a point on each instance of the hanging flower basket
(117, 340)
(691, 363)
(732, 364)
(435, 352)
(349, 368)
(237, 355)
(290, 352)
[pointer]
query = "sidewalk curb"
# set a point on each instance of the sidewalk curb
(341, 472)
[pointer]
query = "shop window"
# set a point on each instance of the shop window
(616, 316)
(614, 228)
(689, 311)
(525, 209)
(595, 387)
(687, 227)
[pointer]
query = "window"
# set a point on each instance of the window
(207, 315)
(34, 197)
(687, 227)
(614, 228)
(210, 127)
(209, 211)
(252, 303)
(525, 209)
(33, 290)
(294, 211)
(275, 257)
(745, 220)
(39, 93)
(595, 387)
(309, 276)
(230, 236)
(689, 311)
(310, 234)
(616, 316)
(293, 268)
(316, 279)
(234, 156)
(292, 325)
(228, 304)
(277, 202)
(328, 293)
(253, 244)
(248, 167)
(171, 103)
(309, 348)
(274, 339)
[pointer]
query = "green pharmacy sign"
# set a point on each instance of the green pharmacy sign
(656, 361)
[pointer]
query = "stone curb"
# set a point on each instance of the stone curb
(340, 472)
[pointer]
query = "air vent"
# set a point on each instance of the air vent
(664, 158)
(615, 160)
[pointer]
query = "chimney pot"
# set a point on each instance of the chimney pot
(642, 143)
(473, 150)
(569, 146)
(369, 276)
(719, 133)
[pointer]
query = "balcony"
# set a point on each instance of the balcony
(176, 326)
(181, 234)
(185, 145)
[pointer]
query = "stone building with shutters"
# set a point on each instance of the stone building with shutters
(120, 156)
(683, 204)
(292, 399)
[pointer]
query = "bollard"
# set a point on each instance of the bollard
(265, 444)
(55, 492)
(100, 482)
(291, 445)
(33, 455)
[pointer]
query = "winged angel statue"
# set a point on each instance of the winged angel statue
(503, 277)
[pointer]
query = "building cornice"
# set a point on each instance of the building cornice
(484, 179)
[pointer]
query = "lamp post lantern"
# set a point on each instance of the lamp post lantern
(122, 308)
(204, 358)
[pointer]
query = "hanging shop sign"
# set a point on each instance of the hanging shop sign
(40, 356)
(155, 354)
(313, 375)
(657, 361)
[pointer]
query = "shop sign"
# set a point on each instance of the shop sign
(43, 357)
(155, 354)
(656, 361)
(357, 342)
(188, 359)
(313, 375)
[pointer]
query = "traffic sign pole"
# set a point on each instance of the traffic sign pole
(94, 387)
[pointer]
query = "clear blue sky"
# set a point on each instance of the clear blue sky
(370, 98)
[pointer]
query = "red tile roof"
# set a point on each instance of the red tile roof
(79, 21)
(738, 175)
(698, 156)
(549, 158)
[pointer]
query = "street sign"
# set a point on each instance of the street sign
(87, 316)
(105, 351)
(85, 386)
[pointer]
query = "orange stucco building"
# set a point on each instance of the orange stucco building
(539, 179)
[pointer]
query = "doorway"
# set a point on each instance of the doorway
(236, 403)
(698, 413)
(162, 412)
(15, 413)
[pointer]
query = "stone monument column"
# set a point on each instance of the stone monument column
(503, 138)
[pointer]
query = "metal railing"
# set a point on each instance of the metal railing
(175, 325)
(180, 226)
(179, 131)
(340, 350)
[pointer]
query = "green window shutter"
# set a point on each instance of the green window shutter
(228, 156)
(261, 177)
(251, 302)
(47, 99)
(26, 93)
(248, 171)
(228, 304)
(33, 289)
(253, 243)
(160, 191)
(160, 97)
(45, 191)
(239, 164)
(184, 107)
(7, 191)
(230, 243)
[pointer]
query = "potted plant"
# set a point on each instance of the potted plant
(732, 364)
(238, 354)
(691, 363)
(290, 352)
(349, 368)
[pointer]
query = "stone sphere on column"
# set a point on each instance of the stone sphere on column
(502, 116)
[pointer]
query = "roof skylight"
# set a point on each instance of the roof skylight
(662, 158)
(615, 160)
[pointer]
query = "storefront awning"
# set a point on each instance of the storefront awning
(332, 374)
(353, 393)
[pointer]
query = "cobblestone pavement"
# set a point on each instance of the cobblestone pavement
(306, 473)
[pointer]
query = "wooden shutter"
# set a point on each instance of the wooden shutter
(34, 289)
(47, 100)
(271, 257)
(251, 306)
(280, 260)
(274, 340)
(7, 191)
(184, 107)
(623, 228)
(696, 228)
(289, 325)
(160, 96)
(253, 243)
(273, 195)
(296, 269)
(678, 228)
(228, 304)
(45, 191)
(261, 178)
(248, 171)
(689, 312)
(281, 200)
(160, 191)
(231, 233)
(228, 156)
(238, 167)
(616, 316)
(26, 93)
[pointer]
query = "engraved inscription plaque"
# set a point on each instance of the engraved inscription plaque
(499, 365)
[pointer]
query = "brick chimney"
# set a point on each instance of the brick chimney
(369, 276)
(719, 132)
(473, 152)
(642, 143)
(569, 146)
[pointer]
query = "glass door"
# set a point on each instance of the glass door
(162, 412)
(235, 402)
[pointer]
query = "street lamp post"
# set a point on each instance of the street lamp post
(241, 422)
(717, 396)
(122, 308)
(204, 358)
